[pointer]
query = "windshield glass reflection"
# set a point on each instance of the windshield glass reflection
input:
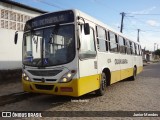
(49, 46)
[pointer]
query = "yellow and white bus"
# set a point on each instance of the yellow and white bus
(71, 53)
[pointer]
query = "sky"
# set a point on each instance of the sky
(140, 14)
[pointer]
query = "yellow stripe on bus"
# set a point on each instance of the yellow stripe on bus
(80, 86)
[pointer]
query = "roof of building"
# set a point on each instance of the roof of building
(23, 6)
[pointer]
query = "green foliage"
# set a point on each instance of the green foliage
(157, 52)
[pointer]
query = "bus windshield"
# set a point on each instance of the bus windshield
(49, 46)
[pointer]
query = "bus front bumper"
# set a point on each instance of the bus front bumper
(75, 87)
(68, 89)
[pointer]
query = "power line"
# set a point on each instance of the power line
(141, 14)
(142, 30)
(144, 23)
(104, 5)
(54, 5)
(151, 31)
(132, 24)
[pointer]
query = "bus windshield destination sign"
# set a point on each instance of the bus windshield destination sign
(50, 19)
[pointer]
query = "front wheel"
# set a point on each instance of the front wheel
(101, 91)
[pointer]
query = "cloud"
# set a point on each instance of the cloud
(153, 23)
(146, 11)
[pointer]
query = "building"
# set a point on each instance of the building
(13, 16)
(147, 55)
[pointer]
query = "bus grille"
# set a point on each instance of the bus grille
(44, 72)
(44, 87)
(40, 80)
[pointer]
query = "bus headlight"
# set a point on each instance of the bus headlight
(68, 76)
(25, 77)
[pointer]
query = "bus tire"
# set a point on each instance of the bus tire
(103, 85)
(134, 74)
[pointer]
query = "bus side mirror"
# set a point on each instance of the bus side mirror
(16, 37)
(86, 29)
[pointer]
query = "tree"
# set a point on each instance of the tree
(157, 52)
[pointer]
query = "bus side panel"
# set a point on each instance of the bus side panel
(115, 76)
(89, 78)
(125, 73)
(139, 69)
(88, 73)
(88, 84)
(107, 60)
(126, 67)
(140, 66)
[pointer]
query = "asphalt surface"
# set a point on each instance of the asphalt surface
(143, 94)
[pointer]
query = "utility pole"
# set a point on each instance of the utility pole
(154, 46)
(138, 35)
(123, 14)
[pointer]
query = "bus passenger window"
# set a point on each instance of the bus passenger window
(113, 42)
(131, 49)
(128, 47)
(138, 50)
(87, 49)
(102, 39)
(135, 49)
(121, 45)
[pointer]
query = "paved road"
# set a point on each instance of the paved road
(143, 94)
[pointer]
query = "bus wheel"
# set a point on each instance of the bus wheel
(134, 74)
(101, 91)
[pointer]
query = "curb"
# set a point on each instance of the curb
(7, 76)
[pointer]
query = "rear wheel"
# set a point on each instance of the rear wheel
(134, 74)
(101, 91)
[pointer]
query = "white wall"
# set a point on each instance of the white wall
(11, 54)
